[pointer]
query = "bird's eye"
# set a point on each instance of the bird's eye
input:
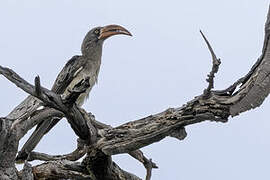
(97, 31)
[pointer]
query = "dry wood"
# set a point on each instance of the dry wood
(100, 141)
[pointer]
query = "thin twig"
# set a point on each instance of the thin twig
(148, 164)
(215, 65)
(79, 152)
(37, 86)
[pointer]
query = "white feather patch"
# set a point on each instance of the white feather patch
(75, 74)
(40, 107)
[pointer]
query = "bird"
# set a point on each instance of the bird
(78, 68)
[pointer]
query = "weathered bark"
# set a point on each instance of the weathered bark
(100, 141)
(8, 149)
(60, 169)
(27, 173)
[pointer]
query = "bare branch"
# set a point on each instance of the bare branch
(127, 138)
(215, 65)
(4, 126)
(102, 167)
(27, 172)
(60, 169)
(64, 169)
(140, 133)
(148, 164)
(9, 144)
(256, 84)
(79, 152)
(37, 86)
(80, 126)
(45, 115)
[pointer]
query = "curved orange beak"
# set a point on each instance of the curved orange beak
(110, 30)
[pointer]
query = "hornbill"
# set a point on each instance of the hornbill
(77, 69)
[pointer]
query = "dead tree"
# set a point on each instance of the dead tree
(100, 141)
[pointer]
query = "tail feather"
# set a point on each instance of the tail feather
(41, 129)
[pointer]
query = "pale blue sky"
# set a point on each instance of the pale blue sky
(163, 65)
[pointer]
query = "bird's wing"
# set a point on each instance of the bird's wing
(70, 70)
(30, 104)
(64, 78)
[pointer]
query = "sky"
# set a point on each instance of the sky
(163, 65)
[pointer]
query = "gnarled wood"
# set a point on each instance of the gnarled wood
(130, 137)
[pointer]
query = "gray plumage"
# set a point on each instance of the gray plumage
(78, 68)
(91, 59)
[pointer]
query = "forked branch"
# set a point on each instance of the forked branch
(106, 141)
(215, 65)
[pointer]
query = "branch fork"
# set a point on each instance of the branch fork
(105, 141)
(215, 66)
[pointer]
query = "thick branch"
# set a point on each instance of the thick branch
(129, 137)
(24, 125)
(101, 166)
(82, 149)
(27, 173)
(140, 133)
(137, 134)
(60, 169)
(64, 169)
(216, 107)
(137, 154)
(257, 86)
(9, 144)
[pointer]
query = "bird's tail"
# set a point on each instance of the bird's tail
(41, 129)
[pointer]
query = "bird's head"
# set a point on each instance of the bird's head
(96, 36)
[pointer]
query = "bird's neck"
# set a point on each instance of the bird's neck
(93, 59)
(93, 53)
